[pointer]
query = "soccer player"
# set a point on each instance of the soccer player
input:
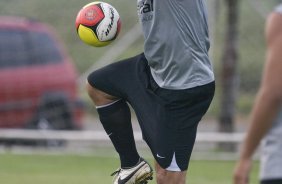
(266, 115)
(170, 87)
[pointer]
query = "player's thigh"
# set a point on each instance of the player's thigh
(183, 110)
(117, 79)
(99, 97)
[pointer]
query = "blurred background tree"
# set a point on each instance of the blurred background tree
(229, 70)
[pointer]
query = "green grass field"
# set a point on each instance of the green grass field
(74, 169)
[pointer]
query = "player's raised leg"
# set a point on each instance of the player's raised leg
(115, 117)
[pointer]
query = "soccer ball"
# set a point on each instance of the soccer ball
(98, 24)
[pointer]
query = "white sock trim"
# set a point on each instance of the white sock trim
(173, 165)
(106, 105)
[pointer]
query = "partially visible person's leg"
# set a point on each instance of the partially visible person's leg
(169, 177)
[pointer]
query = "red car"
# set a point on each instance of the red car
(37, 78)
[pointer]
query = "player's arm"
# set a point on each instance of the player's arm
(268, 99)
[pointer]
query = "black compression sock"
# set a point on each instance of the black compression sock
(116, 120)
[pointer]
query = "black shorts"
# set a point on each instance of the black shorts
(168, 118)
(272, 181)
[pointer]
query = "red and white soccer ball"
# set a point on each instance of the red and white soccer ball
(98, 24)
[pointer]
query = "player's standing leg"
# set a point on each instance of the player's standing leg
(169, 177)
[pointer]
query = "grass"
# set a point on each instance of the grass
(74, 169)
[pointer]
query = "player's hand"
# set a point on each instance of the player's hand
(242, 171)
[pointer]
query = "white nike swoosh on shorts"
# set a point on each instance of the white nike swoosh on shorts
(159, 156)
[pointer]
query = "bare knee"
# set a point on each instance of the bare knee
(99, 97)
(160, 176)
(169, 177)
